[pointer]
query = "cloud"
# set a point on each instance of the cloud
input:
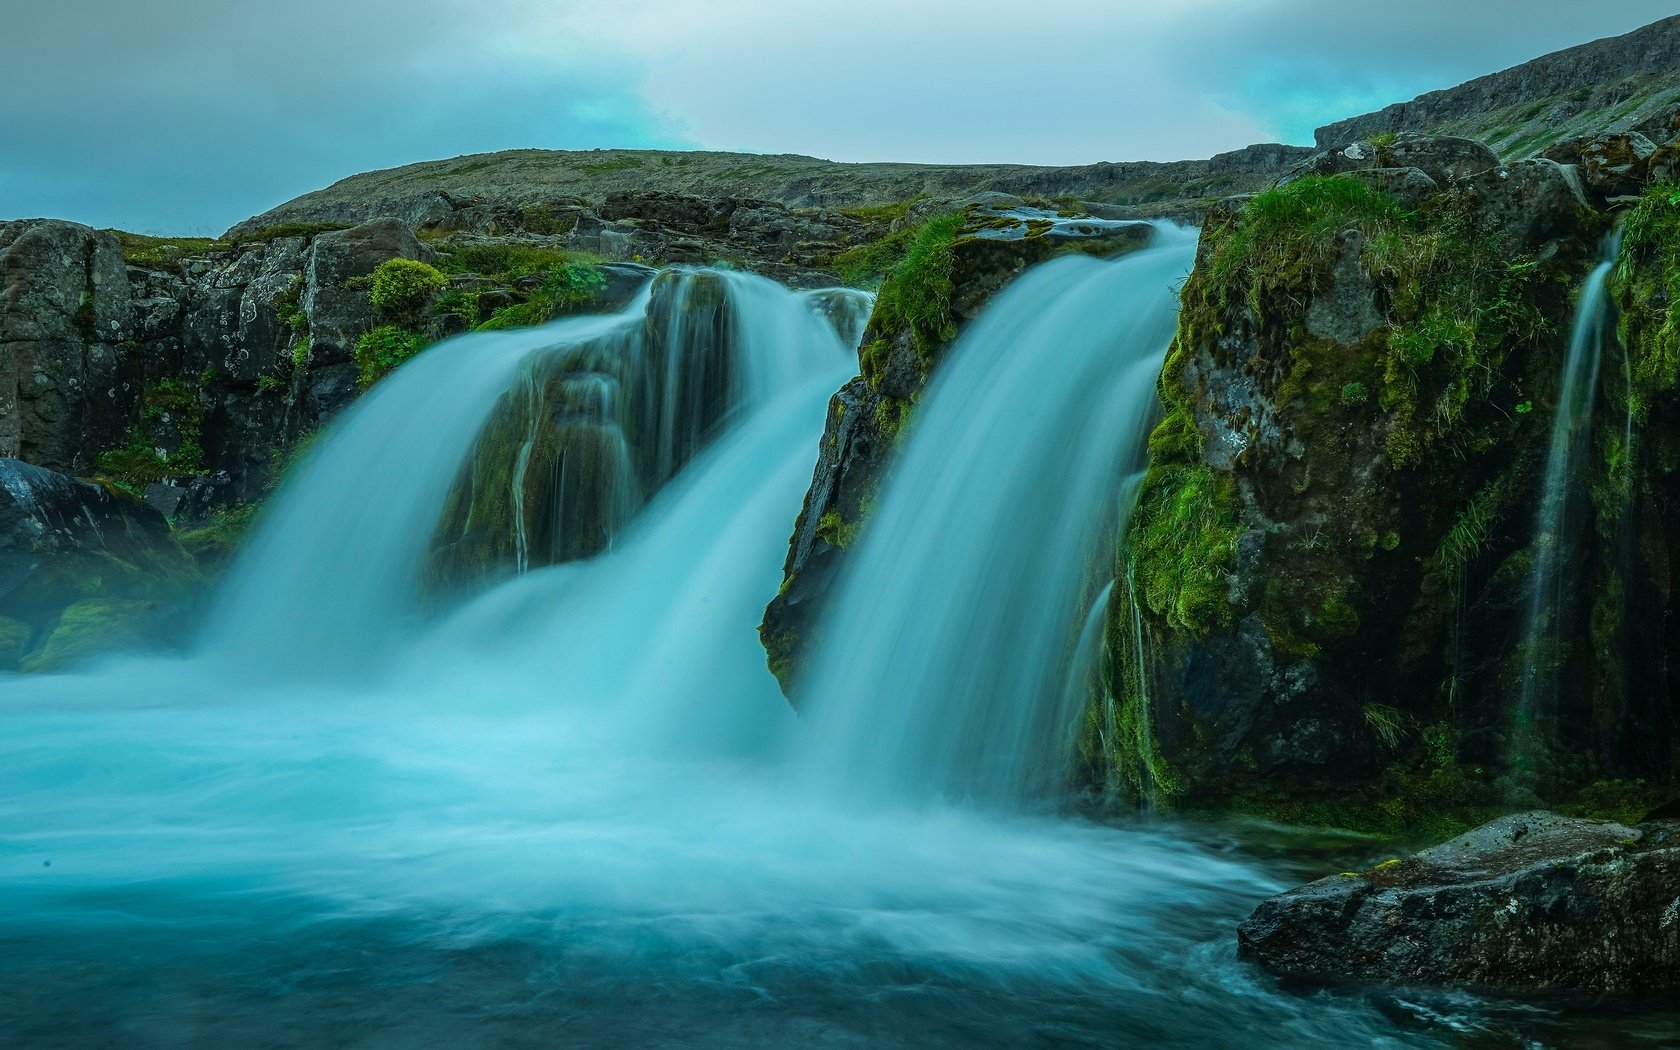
(188, 115)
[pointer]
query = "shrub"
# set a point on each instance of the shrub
(401, 288)
(383, 349)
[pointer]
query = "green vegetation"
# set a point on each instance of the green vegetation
(567, 289)
(1646, 283)
(165, 253)
(380, 351)
(402, 289)
(163, 443)
(915, 298)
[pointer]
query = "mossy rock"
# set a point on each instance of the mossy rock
(14, 642)
(96, 627)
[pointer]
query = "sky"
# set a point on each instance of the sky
(186, 116)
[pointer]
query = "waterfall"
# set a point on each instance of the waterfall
(944, 655)
(1546, 628)
(565, 806)
(539, 446)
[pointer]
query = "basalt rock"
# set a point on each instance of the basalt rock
(1327, 565)
(84, 569)
(68, 373)
(1533, 902)
(981, 248)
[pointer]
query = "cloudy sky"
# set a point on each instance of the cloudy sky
(185, 116)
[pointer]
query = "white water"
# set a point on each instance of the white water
(1562, 485)
(947, 651)
(568, 813)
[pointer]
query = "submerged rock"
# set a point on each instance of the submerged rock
(1530, 902)
(84, 570)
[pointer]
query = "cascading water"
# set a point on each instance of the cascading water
(1547, 622)
(568, 812)
(946, 654)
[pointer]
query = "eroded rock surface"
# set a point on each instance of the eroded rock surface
(1530, 902)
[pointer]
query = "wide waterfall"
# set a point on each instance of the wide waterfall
(568, 805)
(946, 657)
(1562, 492)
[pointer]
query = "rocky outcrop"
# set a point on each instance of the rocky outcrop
(958, 261)
(84, 570)
(1626, 83)
(68, 370)
(1328, 565)
(567, 193)
(1531, 902)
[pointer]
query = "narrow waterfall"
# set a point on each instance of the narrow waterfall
(1558, 522)
(944, 657)
(493, 454)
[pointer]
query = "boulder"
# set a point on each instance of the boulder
(334, 298)
(1611, 166)
(67, 377)
(1531, 902)
(84, 569)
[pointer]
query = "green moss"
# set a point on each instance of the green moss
(1646, 284)
(566, 289)
(163, 443)
(403, 288)
(14, 642)
(213, 543)
(836, 531)
(165, 253)
(380, 351)
(94, 627)
(300, 353)
(916, 296)
(1624, 801)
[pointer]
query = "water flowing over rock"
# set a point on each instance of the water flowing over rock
(1326, 557)
(946, 653)
(1530, 902)
(977, 251)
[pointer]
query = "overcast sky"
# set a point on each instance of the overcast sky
(185, 116)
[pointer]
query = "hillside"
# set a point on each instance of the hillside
(1625, 83)
(534, 179)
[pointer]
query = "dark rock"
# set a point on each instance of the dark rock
(339, 311)
(68, 381)
(998, 239)
(1531, 902)
(85, 569)
(1634, 74)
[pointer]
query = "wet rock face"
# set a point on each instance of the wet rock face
(988, 243)
(83, 570)
(67, 372)
(1530, 902)
(1329, 551)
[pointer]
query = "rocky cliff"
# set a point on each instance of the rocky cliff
(1329, 566)
(1625, 83)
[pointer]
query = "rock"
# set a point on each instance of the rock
(1531, 902)
(85, 569)
(995, 237)
(1612, 165)
(624, 281)
(1338, 397)
(1626, 80)
(338, 309)
(68, 382)
(1440, 159)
